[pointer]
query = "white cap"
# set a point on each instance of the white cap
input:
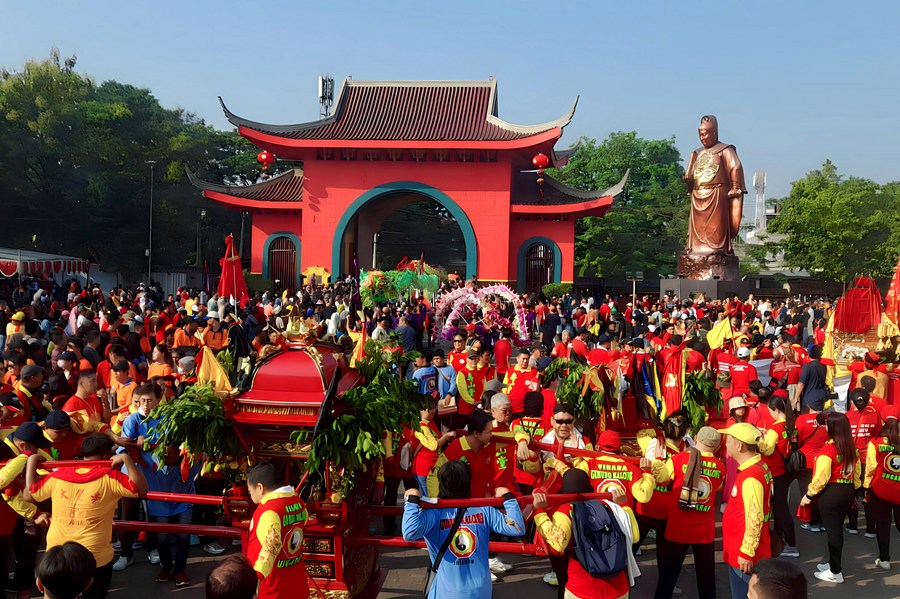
(212, 314)
(743, 352)
(651, 328)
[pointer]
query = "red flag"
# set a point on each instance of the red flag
(892, 299)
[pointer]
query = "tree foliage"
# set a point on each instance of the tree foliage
(839, 226)
(646, 226)
(74, 170)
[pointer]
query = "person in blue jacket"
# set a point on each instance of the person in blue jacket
(463, 573)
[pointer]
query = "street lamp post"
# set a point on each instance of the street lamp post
(150, 234)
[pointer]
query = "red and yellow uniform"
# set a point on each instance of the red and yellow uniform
(557, 530)
(426, 451)
(663, 498)
(883, 470)
(84, 502)
(829, 469)
(481, 466)
(516, 385)
(528, 428)
(504, 457)
(275, 547)
(864, 426)
(774, 446)
(698, 525)
(457, 359)
(745, 523)
(470, 385)
(85, 414)
(608, 471)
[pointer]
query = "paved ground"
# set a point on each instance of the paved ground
(406, 568)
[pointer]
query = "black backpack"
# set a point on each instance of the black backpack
(600, 545)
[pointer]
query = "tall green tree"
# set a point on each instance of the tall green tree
(839, 226)
(646, 226)
(75, 172)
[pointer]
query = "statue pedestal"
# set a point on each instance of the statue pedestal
(707, 268)
(717, 276)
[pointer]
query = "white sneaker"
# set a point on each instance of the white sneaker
(497, 566)
(550, 578)
(651, 534)
(122, 563)
(789, 552)
(828, 576)
(826, 567)
(214, 549)
(883, 565)
(493, 577)
(871, 535)
(852, 531)
(154, 556)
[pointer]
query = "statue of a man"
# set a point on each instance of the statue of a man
(715, 179)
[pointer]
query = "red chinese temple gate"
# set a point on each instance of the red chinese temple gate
(390, 143)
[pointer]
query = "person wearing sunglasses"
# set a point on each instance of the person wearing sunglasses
(457, 355)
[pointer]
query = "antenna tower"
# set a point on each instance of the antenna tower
(759, 183)
(326, 95)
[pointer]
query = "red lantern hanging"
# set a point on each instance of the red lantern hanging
(541, 162)
(265, 158)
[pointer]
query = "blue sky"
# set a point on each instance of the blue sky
(793, 83)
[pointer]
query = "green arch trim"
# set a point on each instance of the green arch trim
(265, 255)
(462, 219)
(523, 255)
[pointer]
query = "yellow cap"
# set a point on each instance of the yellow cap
(743, 432)
(20, 316)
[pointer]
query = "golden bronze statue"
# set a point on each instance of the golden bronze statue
(715, 179)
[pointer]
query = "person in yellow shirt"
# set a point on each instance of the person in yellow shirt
(26, 440)
(84, 503)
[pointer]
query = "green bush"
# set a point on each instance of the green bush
(557, 289)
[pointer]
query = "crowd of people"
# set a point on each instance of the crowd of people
(84, 370)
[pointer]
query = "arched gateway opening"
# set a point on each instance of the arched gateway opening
(405, 220)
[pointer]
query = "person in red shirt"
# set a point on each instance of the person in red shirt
(834, 483)
(601, 353)
(503, 352)
(488, 372)
(474, 449)
(561, 349)
(695, 527)
(275, 547)
(427, 443)
(526, 428)
(580, 351)
(519, 380)
(469, 386)
(775, 446)
(742, 372)
(504, 453)
(882, 482)
(865, 422)
(458, 355)
(745, 523)
(765, 351)
(811, 437)
(574, 581)
(876, 401)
